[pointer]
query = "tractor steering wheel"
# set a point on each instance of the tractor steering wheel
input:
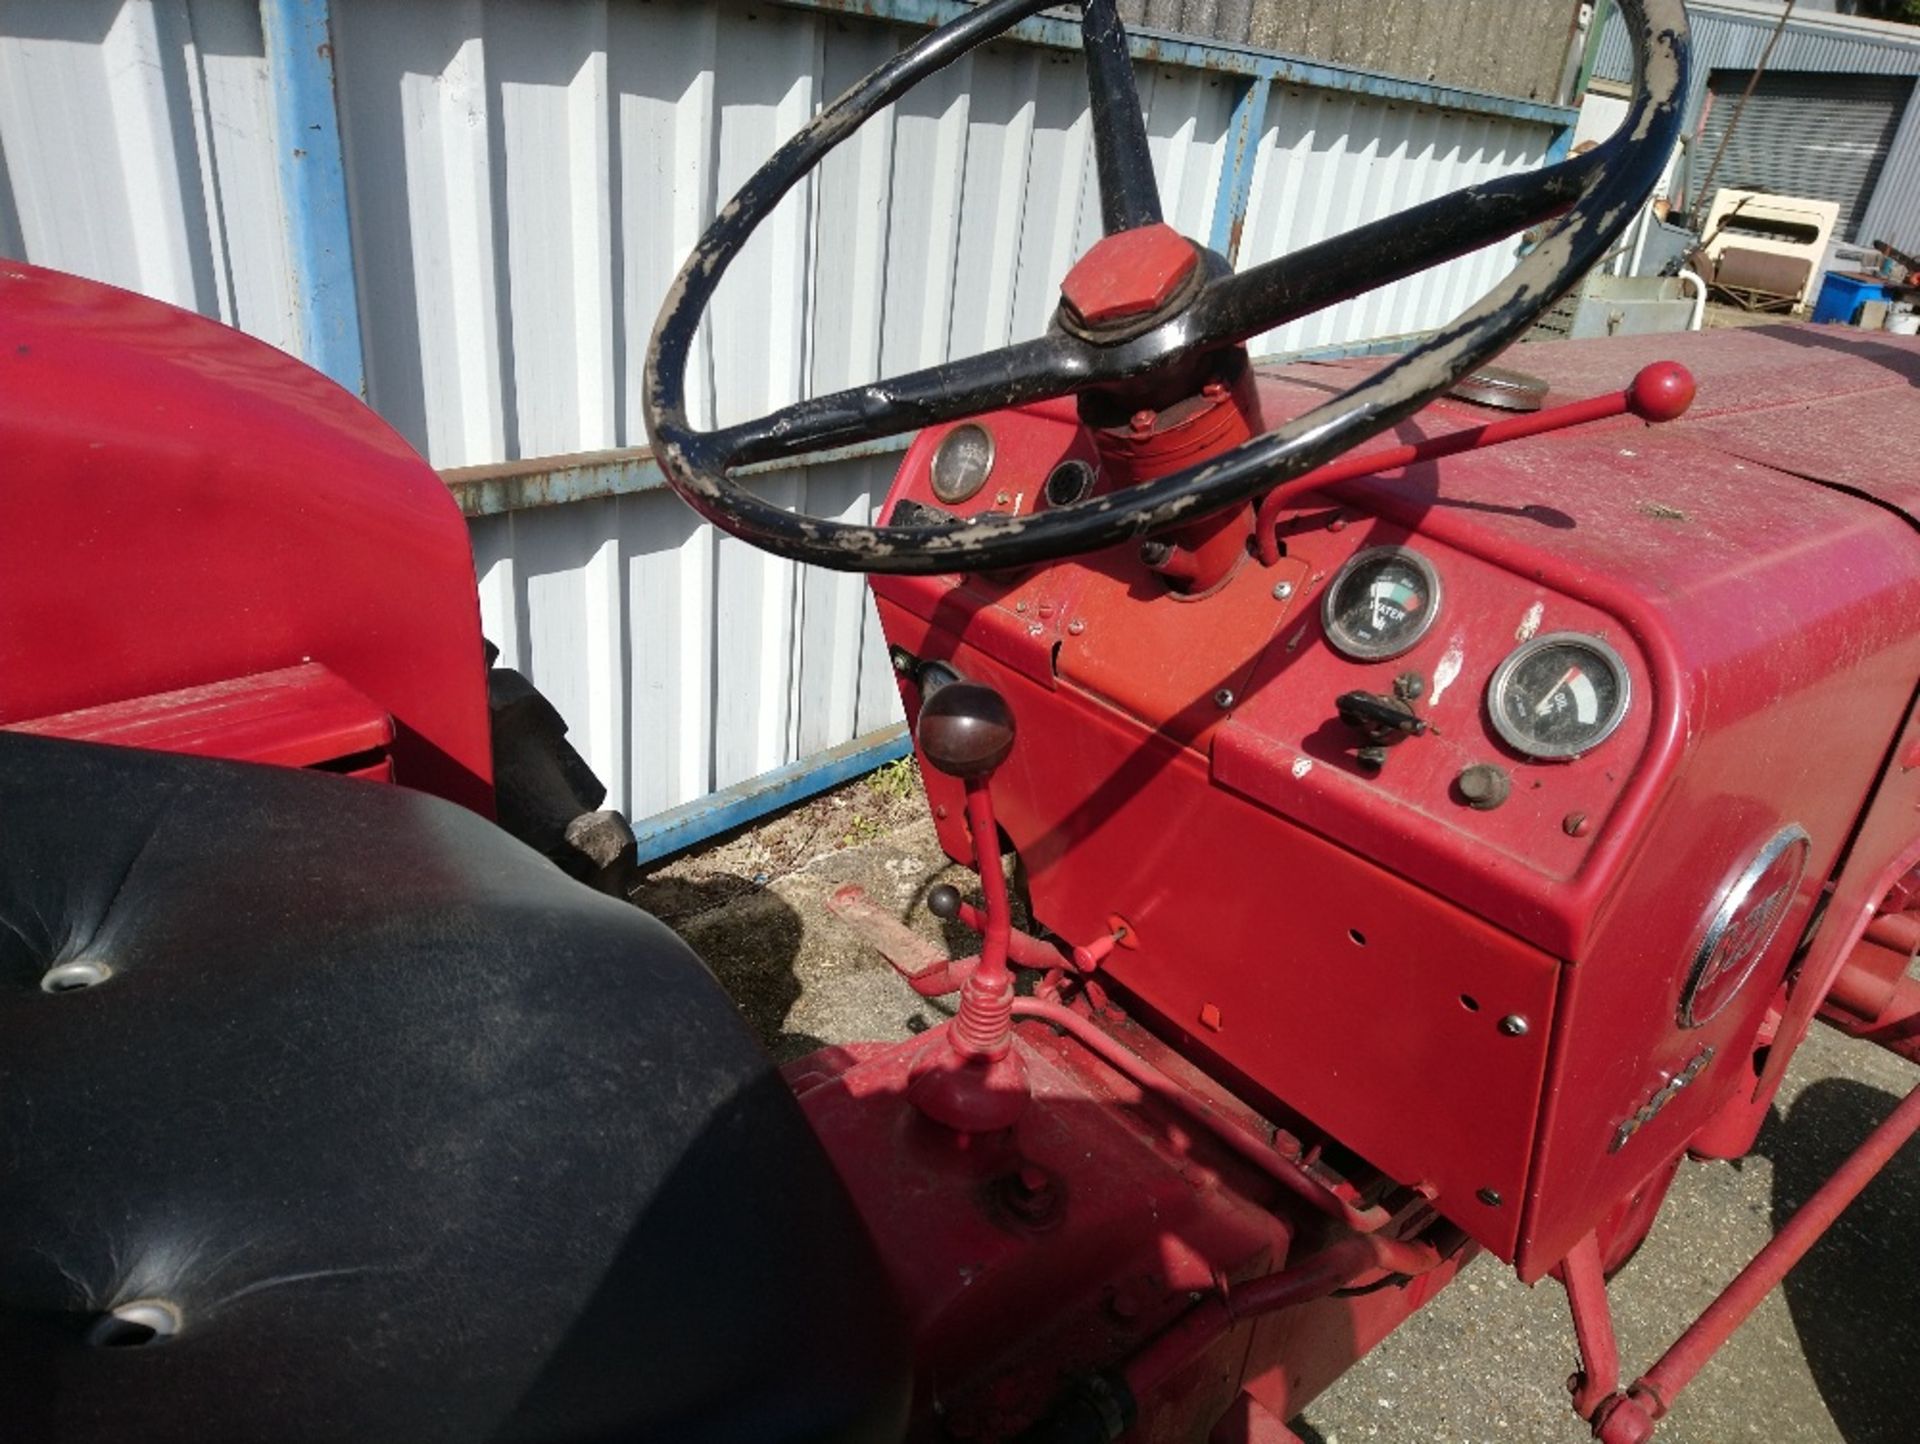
(1595, 197)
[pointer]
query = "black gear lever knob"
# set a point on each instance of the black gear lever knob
(966, 729)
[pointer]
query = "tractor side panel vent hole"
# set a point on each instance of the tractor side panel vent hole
(1359, 938)
(1469, 1002)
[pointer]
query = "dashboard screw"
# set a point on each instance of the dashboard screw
(1076, 627)
(1514, 1026)
(1223, 699)
(1489, 1196)
(1034, 629)
(1576, 824)
(1283, 591)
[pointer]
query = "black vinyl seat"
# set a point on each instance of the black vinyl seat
(372, 1126)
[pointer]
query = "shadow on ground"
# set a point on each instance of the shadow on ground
(750, 937)
(754, 906)
(1855, 1299)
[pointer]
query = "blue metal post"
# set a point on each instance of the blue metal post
(313, 186)
(1244, 129)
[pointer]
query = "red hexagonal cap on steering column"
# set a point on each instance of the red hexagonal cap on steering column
(1128, 276)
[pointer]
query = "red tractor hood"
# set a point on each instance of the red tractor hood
(1835, 406)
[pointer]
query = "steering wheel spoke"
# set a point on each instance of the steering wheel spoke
(1054, 365)
(1378, 253)
(1129, 194)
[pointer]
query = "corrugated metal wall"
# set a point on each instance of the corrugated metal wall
(1506, 47)
(1327, 163)
(135, 147)
(524, 176)
(1733, 34)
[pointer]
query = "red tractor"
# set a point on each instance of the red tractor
(1439, 823)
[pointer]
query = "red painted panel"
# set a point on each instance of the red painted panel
(185, 505)
(1022, 616)
(1884, 853)
(1052, 1248)
(1517, 865)
(295, 717)
(1393, 1044)
(1184, 666)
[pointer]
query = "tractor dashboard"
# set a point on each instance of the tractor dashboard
(1389, 801)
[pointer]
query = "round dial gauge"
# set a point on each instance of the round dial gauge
(1381, 603)
(962, 462)
(1559, 695)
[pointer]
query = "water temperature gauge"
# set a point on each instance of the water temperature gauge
(1559, 695)
(1382, 602)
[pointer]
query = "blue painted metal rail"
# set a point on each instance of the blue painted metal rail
(677, 830)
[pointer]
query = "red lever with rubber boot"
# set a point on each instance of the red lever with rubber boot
(970, 1077)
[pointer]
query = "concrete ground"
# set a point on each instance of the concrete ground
(1830, 1359)
(1722, 317)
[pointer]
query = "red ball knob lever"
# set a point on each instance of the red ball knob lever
(1661, 392)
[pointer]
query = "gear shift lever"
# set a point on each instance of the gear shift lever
(969, 1078)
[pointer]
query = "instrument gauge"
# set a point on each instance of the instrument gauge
(1559, 695)
(962, 463)
(1381, 603)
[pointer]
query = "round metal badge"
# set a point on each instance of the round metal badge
(1744, 925)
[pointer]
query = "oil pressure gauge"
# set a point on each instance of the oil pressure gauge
(1559, 695)
(1381, 603)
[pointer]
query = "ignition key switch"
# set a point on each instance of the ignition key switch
(1381, 721)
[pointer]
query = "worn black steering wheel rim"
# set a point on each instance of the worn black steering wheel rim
(1589, 201)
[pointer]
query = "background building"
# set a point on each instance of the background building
(1833, 116)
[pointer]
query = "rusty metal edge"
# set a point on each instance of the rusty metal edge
(542, 481)
(1160, 48)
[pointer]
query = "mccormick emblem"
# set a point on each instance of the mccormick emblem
(1743, 926)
